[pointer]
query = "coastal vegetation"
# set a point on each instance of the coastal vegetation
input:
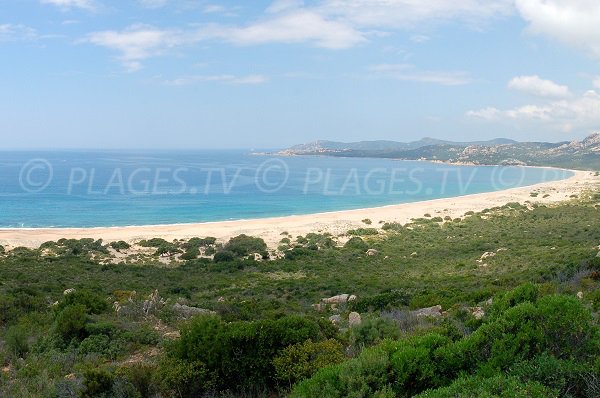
(501, 303)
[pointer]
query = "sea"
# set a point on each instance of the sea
(123, 188)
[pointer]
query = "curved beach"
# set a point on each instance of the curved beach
(336, 223)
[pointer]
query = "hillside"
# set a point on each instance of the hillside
(384, 146)
(583, 154)
(389, 310)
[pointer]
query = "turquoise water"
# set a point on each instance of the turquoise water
(117, 188)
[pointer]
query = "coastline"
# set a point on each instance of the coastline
(334, 222)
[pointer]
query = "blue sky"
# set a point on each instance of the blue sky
(269, 74)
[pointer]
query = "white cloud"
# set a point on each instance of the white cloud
(409, 13)
(573, 22)
(582, 112)
(68, 4)
(539, 87)
(231, 79)
(419, 38)
(489, 113)
(153, 3)
(137, 43)
(411, 73)
(596, 82)
(296, 26)
(16, 32)
(213, 8)
(331, 24)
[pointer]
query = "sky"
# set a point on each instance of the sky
(198, 74)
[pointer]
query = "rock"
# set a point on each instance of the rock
(477, 312)
(372, 252)
(68, 291)
(187, 312)
(339, 299)
(598, 255)
(413, 254)
(580, 295)
(335, 319)
(489, 301)
(352, 298)
(318, 307)
(354, 319)
(221, 299)
(172, 335)
(71, 376)
(435, 311)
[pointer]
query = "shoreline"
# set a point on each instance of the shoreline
(336, 222)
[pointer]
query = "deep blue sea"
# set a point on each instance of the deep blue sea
(119, 188)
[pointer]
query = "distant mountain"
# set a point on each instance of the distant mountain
(334, 146)
(583, 154)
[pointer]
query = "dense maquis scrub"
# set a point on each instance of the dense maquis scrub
(517, 288)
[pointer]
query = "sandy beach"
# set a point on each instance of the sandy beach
(336, 223)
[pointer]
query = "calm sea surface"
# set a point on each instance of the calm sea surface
(117, 188)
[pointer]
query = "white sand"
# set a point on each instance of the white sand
(336, 223)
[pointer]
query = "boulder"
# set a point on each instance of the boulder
(580, 295)
(339, 299)
(598, 255)
(435, 311)
(477, 312)
(335, 319)
(68, 291)
(354, 319)
(187, 312)
(372, 252)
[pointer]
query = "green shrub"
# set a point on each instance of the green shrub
(93, 303)
(363, 231)
(300, 361)
(199, 242)
(179, 378)
(70, 322)
(566, 377)
(167, 249)
(241, 353)
(2, 250)
(393, 226)
(414, 365)
(384, 301)
(356, 243)
(373, 331)
(364, 376)
(243, 245)
(97, 383)
(223, 256)
(155, 242)
(15, 340)
(528, 292)
(120, 245)
(141, 377)
(191, 253)
(495, 387)
(100, 345)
